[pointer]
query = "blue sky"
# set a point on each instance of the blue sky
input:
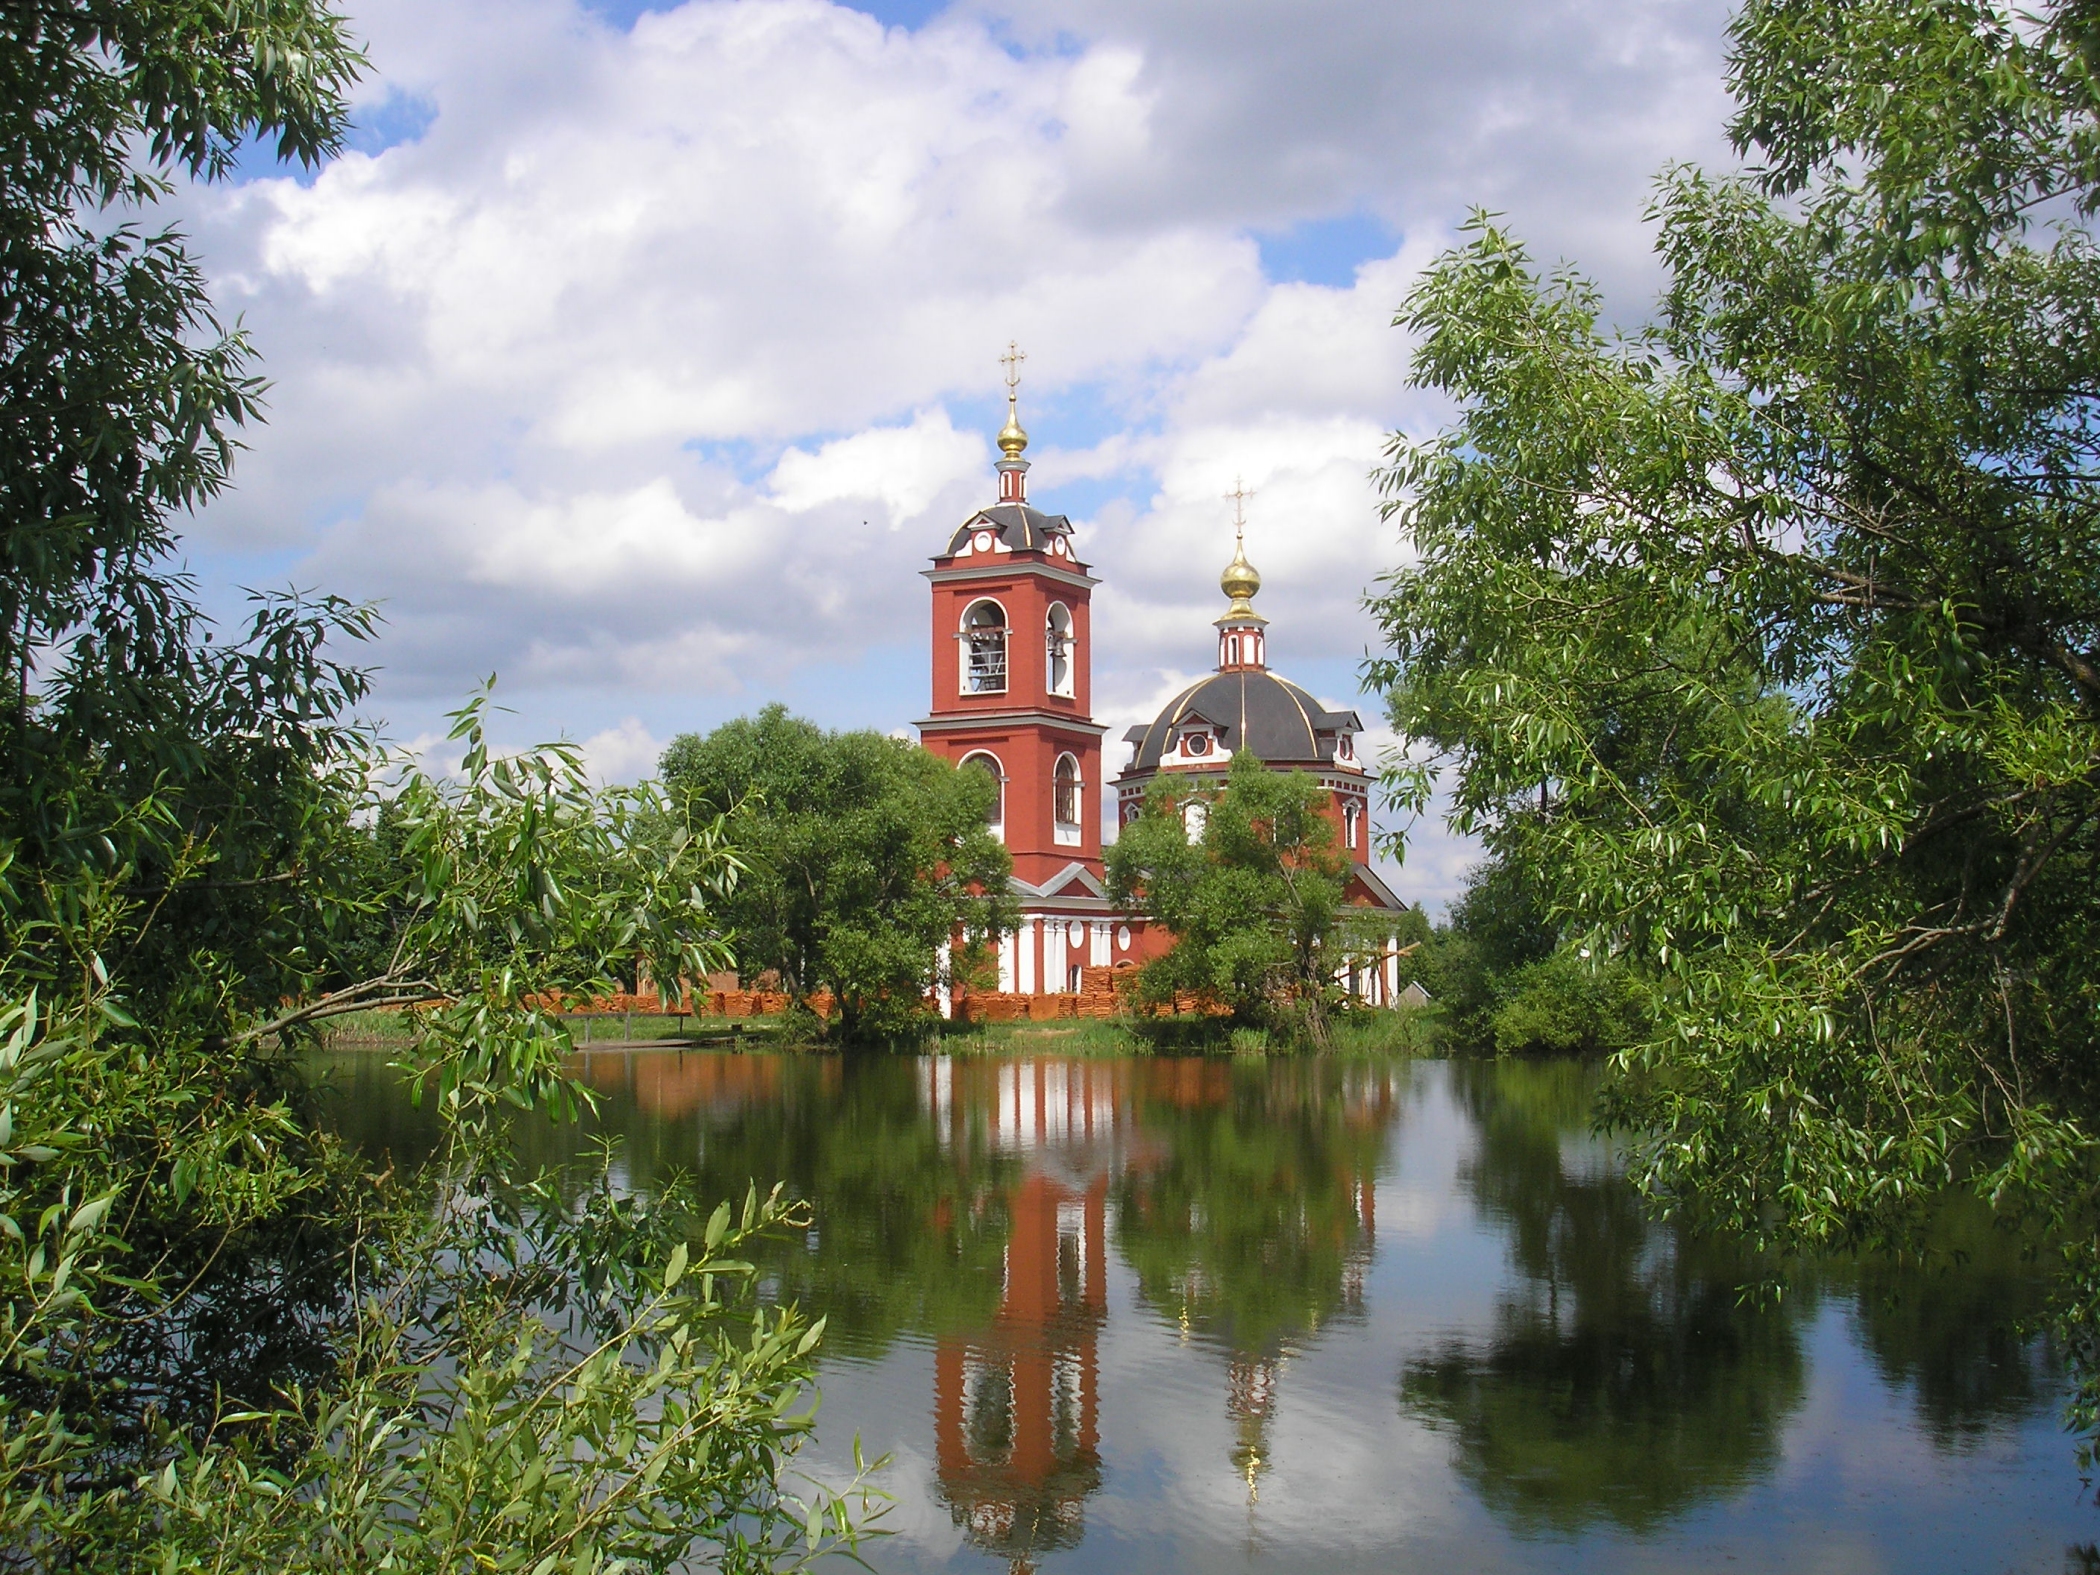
(643, 354)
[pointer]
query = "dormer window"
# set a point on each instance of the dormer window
(1057, 650)
(983, 635)
(1344, 750)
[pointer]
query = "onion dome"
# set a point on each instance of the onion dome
(1012, 440)
(1240, 581)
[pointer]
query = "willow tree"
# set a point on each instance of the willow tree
(1765, 640)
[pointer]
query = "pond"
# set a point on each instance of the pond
(1218, 1314)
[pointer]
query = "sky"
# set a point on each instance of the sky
(641, 355)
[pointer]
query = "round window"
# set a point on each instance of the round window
(1197, 744)
(982, 541)
(1123, 939)
(1075, 932)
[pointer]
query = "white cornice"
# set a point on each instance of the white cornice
(1018, 564)
(961, 721)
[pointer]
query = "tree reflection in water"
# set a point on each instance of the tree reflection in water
(1627, 1378)
(1636, 1371)
(1251, 1219)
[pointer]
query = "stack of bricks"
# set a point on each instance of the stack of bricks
(1099, 995)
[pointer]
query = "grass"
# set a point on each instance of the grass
(390, 1030)
(1067, 1036)
(1372, 1032)
(1405, 1031)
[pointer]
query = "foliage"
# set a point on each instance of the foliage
(1508, 985)
(1254, 900)
(220, 1344)
(866, 856)
(134, 735)
(452, 1402)
(1762, 639)
(516, 887)
(643, 1431)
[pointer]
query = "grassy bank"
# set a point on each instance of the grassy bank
(390, 1030)
(1407, 1031)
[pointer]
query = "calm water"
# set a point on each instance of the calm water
(1213, 1315)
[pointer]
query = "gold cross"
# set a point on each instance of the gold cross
(1012, 360)
(1239, 495)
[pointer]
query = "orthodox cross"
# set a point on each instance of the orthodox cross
(1239, 495)
(1012, 360)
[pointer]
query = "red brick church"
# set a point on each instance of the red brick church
(1012, 661)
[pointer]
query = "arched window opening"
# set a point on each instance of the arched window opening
(995, 817)
(1065, 798)
(1057, 649)
(984, 656)
(1350, 817)
(1195, 815)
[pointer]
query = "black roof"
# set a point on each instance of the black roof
(1022, 528)
(1252, 710)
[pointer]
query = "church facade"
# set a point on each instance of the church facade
(1012, 695)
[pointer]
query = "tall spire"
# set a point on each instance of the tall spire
(1013, 469)
(1240, 637)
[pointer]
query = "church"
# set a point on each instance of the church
(1012, 663)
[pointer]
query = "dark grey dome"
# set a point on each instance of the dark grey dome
(1249, 709)
(1022, 528)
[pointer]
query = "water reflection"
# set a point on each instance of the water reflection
(1627, 1375)
(1250, 1217)
(1160, 1284)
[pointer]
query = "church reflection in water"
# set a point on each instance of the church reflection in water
(1017, 1400)
(1017, 1406)
(1017, 1403)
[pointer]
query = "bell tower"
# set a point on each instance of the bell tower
(1012, 659)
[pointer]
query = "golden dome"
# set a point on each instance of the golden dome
(1011, 438)
(1240, 581)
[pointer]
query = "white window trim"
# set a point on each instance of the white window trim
(996, 827)
(963, 634)
(1069, 687)
(1068, 833)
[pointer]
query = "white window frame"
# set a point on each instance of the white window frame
(1060, 645)
(1067, 833)
(968, 635)
(997, 824)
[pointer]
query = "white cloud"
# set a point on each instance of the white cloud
(640, 376)
(905, 468)
(626, 753)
